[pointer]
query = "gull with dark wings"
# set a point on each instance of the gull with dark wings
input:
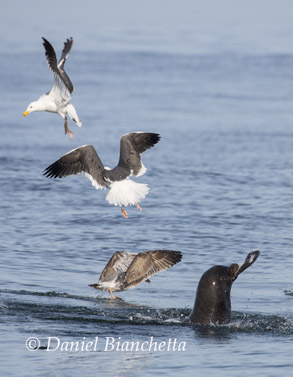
(122, 190)
(128, 270)
(57, 99)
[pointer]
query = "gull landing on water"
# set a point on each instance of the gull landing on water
(128, 270)
(122, 190)
(57, 99)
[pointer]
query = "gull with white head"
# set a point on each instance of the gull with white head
(57, 99)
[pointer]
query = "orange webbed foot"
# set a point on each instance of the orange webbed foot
(124, 213)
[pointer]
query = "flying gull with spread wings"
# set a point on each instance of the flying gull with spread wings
(122, 190)
(57, 99)
(128, 270)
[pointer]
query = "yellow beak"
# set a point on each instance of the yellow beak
(25, 113)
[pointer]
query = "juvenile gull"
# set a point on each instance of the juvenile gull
(127, 270)
(57, 99)
(122, 190)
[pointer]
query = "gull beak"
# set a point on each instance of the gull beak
(25, 113)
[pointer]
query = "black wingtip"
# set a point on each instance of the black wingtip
(68, 45)
(152, 139)
(156, 138)
(51, 171)
(174, 256)
(46, 42)
(49, 50)
(177, 256)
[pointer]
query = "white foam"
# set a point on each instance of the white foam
(126, 192)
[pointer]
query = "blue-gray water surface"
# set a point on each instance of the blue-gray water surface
(220, 186)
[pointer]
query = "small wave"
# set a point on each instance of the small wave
(250, 323)
(97, 310)
(288, 292)
(43, 294)
(262, 323)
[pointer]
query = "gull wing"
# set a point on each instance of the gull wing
(118, 263)
(84, 160)
(149, 263)
(59, 84)
(65, 53)
(132, 146)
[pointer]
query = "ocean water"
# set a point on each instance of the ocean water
(220, 186)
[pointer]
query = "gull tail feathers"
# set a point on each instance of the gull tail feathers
(96, 286)
(126, 192)
(73, 114)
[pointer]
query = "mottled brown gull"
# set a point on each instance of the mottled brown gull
(128, 270)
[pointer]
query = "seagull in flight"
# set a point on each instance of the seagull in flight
(122, 190)
(57, 99)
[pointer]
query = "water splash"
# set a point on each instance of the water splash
(85, 310)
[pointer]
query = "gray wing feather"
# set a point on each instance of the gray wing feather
(131, 147)
(52, 64)
(81, 160)
(118, 263)
(149, 263)
(65, 53)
